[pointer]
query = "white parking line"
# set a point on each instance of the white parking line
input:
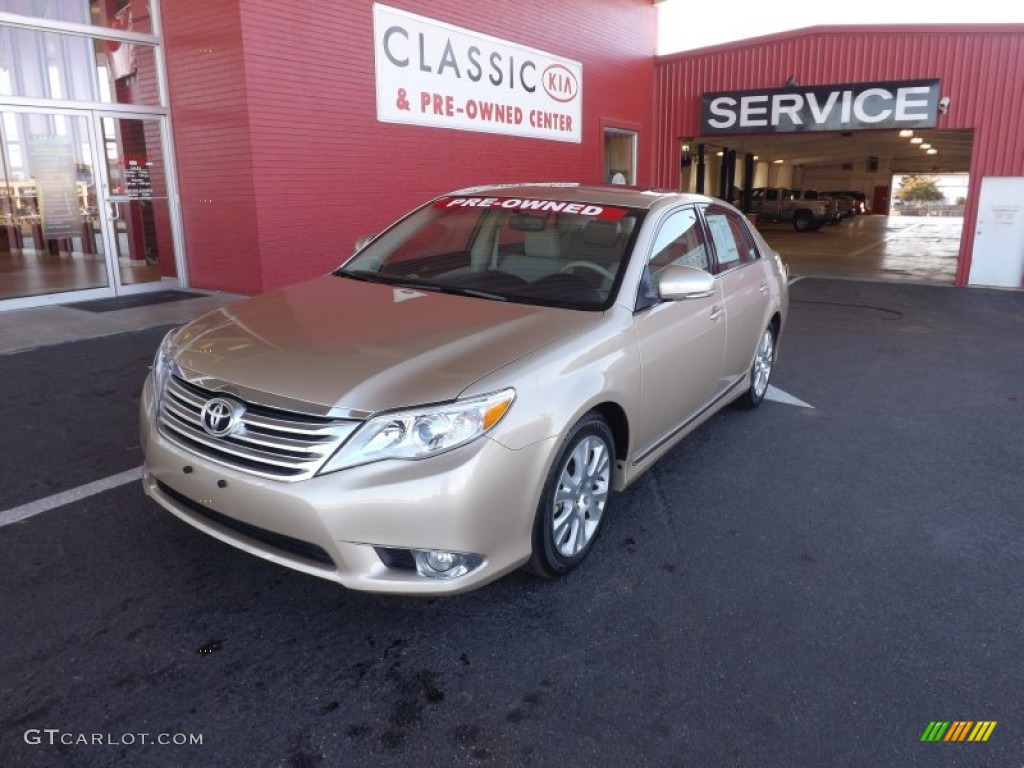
(777, 395)
(34, 508)
(67, 497)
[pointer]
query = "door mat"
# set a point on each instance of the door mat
(133, 301)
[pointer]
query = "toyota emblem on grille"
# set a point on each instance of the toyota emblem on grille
(220, 415)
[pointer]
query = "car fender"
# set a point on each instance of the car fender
(560, 382)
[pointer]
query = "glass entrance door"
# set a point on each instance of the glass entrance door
(51, 238)
(137, 200)
(84, 204)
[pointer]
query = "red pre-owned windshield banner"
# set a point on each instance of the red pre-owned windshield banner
(605, 212)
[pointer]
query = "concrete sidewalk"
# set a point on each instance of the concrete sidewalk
(23, 329)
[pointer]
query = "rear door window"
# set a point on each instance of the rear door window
(733, 243)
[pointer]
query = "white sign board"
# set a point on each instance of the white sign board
(998, 255)
(434, 74)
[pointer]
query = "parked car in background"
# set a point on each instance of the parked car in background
(844, 205)
(835, 214)
(784, 204)
(860, 201)
(464, 394)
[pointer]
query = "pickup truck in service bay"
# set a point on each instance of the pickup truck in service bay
(784, 204)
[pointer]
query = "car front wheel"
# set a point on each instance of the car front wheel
(575, 497)
(760, 370)
(803, 222)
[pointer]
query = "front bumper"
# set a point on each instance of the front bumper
(480, 499)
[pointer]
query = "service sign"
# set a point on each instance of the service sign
(851, 107)
(434, 74)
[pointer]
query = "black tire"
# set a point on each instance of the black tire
(583, 473)
(803, 221)
(760, 370)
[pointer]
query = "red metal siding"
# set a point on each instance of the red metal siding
(981, 68)
(210, 119)
(278, 127)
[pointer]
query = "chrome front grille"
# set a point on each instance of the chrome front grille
(283, 445)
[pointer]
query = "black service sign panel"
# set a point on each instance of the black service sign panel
(849, 107)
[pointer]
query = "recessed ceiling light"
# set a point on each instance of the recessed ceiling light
(916, 140)
(906, 133)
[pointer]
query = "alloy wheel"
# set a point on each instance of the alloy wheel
(581, 495)
(763, 359)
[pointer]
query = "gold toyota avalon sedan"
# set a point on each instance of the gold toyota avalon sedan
(462, 396)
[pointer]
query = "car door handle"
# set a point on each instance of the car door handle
(716, 311)
(763, 288)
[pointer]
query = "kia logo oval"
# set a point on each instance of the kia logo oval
(220, 415)
(560, 83)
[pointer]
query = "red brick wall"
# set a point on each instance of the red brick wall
(277, 124)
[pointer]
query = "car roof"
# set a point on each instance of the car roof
(604, 194)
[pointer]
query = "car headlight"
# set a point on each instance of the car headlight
(163, 366)
(418, 433)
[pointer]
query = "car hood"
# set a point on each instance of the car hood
(339, 342)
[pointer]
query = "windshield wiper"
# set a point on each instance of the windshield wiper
(417, 285)
(361, 274)
(468, 292)
(458, 290)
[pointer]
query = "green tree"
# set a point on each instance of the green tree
(923, 189)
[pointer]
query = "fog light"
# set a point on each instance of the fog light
(439, 564)
(442, 561)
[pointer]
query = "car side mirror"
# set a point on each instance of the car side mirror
(677, 282)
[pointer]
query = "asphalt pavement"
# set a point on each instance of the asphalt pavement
(793, 586)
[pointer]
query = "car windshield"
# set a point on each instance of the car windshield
(533, 251)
